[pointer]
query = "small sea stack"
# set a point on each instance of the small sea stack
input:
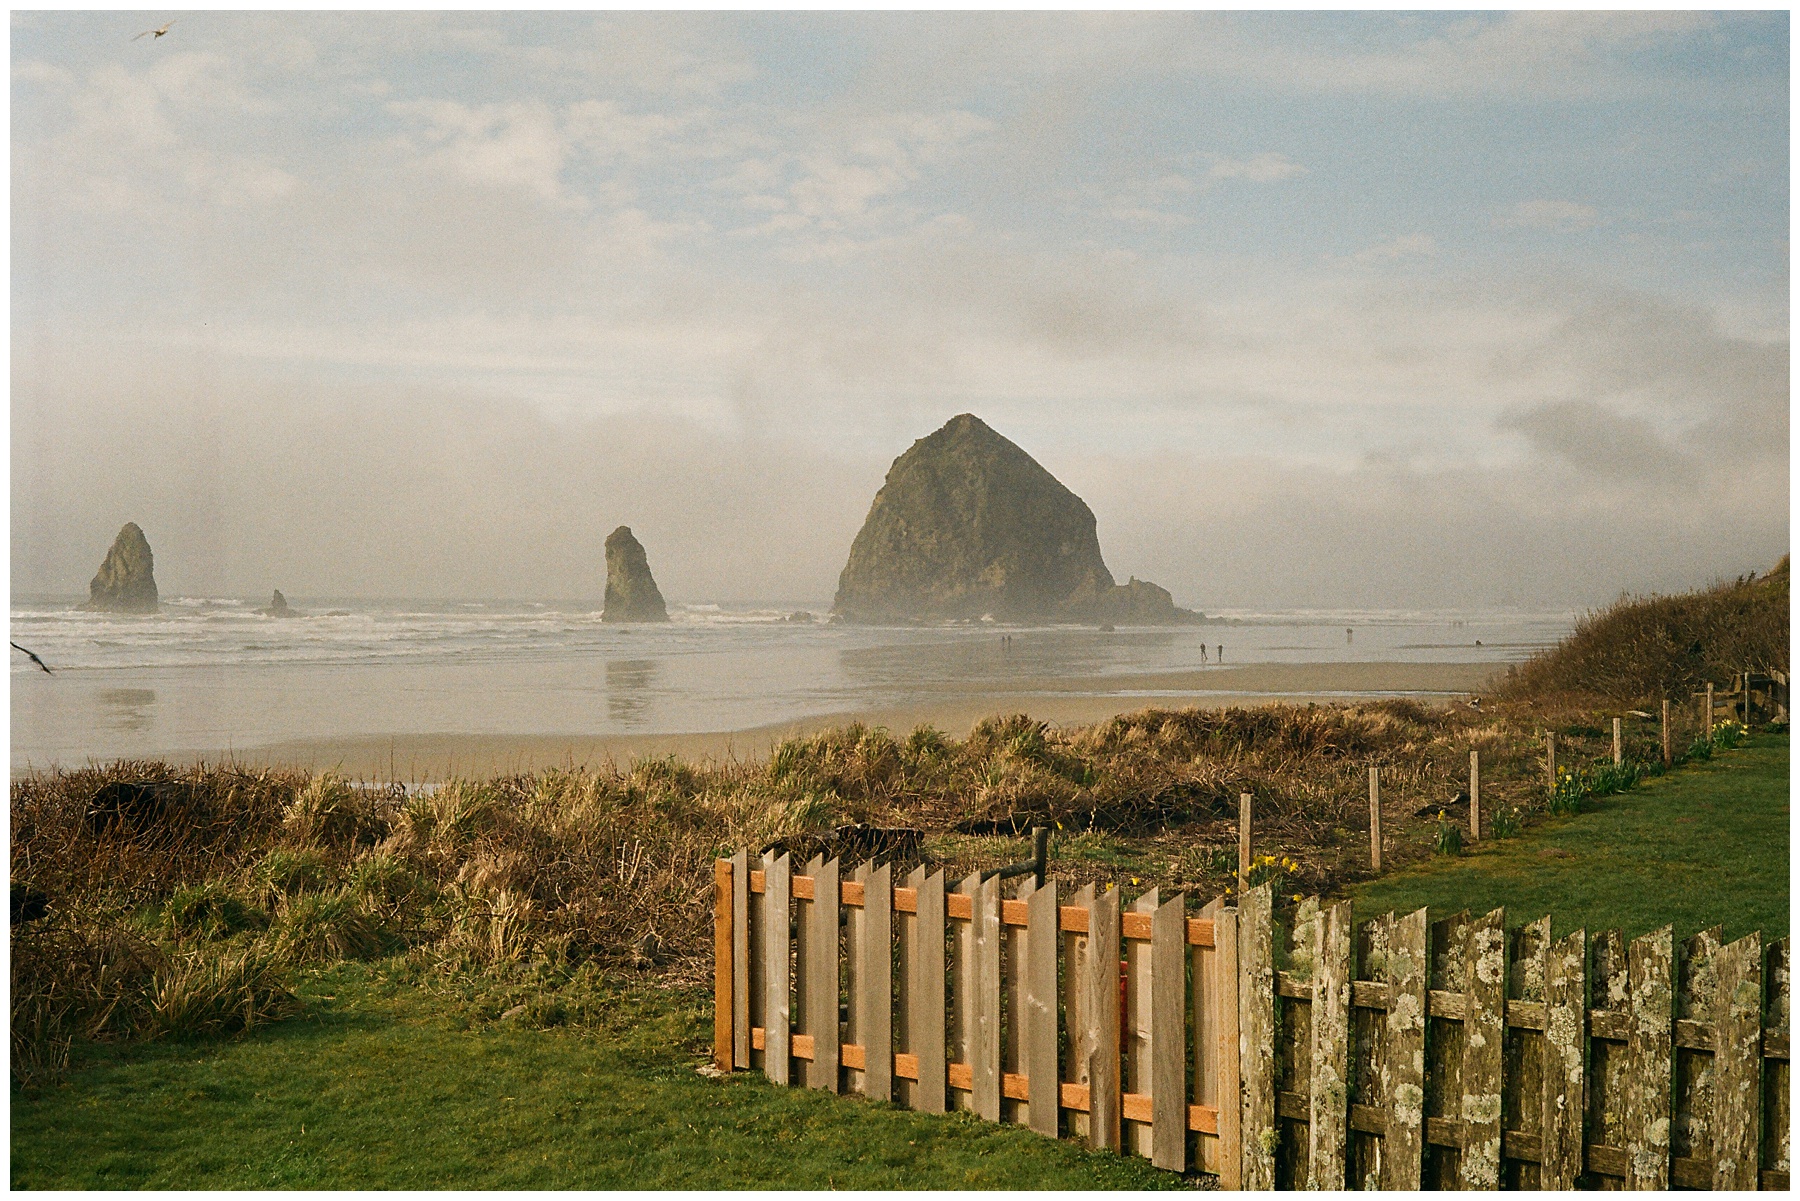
(278, 607)
(126, 582)
(631, 592)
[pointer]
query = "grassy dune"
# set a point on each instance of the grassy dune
(1705, 846)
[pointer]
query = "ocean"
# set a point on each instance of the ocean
(213, 675)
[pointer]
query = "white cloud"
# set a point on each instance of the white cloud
(1406, 246)
(1563, 215)
(1267, 167)
(518, 144)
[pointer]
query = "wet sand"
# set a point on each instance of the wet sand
(418, 758)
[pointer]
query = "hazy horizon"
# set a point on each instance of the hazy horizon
(1378, 310)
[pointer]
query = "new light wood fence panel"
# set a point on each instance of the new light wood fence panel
(1401, 1054)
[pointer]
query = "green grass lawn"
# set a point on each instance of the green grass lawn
(382, 1085)
(1705, 845)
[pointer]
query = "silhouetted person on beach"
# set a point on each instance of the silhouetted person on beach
(1349, 635)
(1203, 652)
(1221, 652)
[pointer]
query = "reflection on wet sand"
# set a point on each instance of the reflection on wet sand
(126, 708)
(628, 685)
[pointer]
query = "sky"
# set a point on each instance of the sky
(1356, 310)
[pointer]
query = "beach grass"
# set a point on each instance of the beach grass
(394, 1080)
(1702, 846)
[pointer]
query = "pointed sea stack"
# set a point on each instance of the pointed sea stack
(126, 582)
(968, 525)
(631, 592)
(278, 607)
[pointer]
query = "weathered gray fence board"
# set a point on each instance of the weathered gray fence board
(1100, 1009)
(927, 992)
(963, 976)
(1076, 1019)
(1565, 1062)
(1042, 1038)
(1523, 1072)
(1134, 1017)
(1650, 1053)
(1484, 1028)
(874, 1002)
(823, 979)
(1014, 1109)
(1215, 1073)
(1168, 1035)
(1256, 1036)
(1737, 1068)
(777, 970)
(984, 1037)
(1328, 1125)
(1403, 1067)
(1696, 990)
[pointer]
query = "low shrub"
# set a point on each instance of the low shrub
(211, 910)
(211, 993)
(284, 873)
(325, 927)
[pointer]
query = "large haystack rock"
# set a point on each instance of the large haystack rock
(126, 582)
(968, 525)
(631, 592)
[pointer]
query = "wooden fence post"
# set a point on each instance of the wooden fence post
(1709, 710)
(1256, 1036)
(1100, 1008)
(724, 967)
(1484, 1029)
(1328, 1126)
(1402, 1070)
(1650, 1060)
(1550, 758)
(1668, 747)
(1375, 820)
(777, 967)
(1243, 842)
(1618, 742)
(1474, 796)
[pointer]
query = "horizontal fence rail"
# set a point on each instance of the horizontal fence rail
(1275, 1051)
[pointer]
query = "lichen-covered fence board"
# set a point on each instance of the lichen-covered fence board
(1273, 1049)
(1484, 1008)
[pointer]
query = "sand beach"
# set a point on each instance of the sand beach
(1061, 701)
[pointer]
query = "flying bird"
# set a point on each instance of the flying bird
(154, 33)
(33, 658)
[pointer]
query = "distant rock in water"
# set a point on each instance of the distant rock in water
(631, 592)
(278, 607)
(967, 525)
(126, 582)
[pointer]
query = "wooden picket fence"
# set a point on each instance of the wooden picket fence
(1275, 1052)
